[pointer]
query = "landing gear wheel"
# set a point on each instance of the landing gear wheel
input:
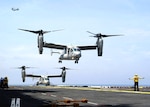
(76, 62)
(60, 61)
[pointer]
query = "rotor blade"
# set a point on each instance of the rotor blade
(52, 31)
(107, 35)
(92, 36)
(29, 67)
(30, 31)
(91, 33)
(68, 68)
(23, 67)
(40, 31)
(17, 67)
(64, 68)
(101, 35)
(57, 30)
(46, 32)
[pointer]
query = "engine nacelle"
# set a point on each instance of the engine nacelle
(63, 76)
(100, 47)
(23, 76)
(40, 44)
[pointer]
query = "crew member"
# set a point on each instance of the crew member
(5, 82)
(136, 82)
(1, 82)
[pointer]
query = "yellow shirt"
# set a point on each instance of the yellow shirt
(5, 80)
(136, 78)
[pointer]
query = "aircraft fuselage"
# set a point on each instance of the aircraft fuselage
(43, 81)
(70, 53)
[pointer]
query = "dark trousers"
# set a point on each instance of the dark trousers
(136, 86)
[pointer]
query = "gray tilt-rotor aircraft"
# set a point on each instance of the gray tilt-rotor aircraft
(69, 52)
(43, 79)
(15, 9)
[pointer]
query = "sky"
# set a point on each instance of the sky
(123, 56)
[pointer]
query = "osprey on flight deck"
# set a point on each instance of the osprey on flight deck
(69, 52)
(43, 79)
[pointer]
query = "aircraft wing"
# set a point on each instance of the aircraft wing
(30, 75)
(51, 76)
(87, 47)
(55, 46)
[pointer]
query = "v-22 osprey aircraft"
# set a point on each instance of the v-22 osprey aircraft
(69, 52)
(15, 9)
(43, 79)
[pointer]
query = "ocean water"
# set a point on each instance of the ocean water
(110, 85)
(87, 85)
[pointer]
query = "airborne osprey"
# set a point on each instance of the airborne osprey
(69, 52)
(15, 9)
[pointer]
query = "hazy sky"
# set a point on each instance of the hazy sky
(123, 56)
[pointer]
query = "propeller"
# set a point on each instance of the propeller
(99, 35)
(64, 68)
(24, 67)
(40, 39)
(40, 32)
(23, 72)
(63, 75)
(99, 41)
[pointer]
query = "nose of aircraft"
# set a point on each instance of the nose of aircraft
(78, 54)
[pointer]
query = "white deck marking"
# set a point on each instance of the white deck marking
(15, 102)
(68, 98)
(92, 103)
(18, 102)
(43, 93)
(53, 95)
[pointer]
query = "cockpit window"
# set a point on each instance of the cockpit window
(46, 78)
(65, 50)
(71, 50)
(76, 49)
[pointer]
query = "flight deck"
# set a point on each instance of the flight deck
(50, 96)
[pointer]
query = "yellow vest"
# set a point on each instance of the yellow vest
(136, 78)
